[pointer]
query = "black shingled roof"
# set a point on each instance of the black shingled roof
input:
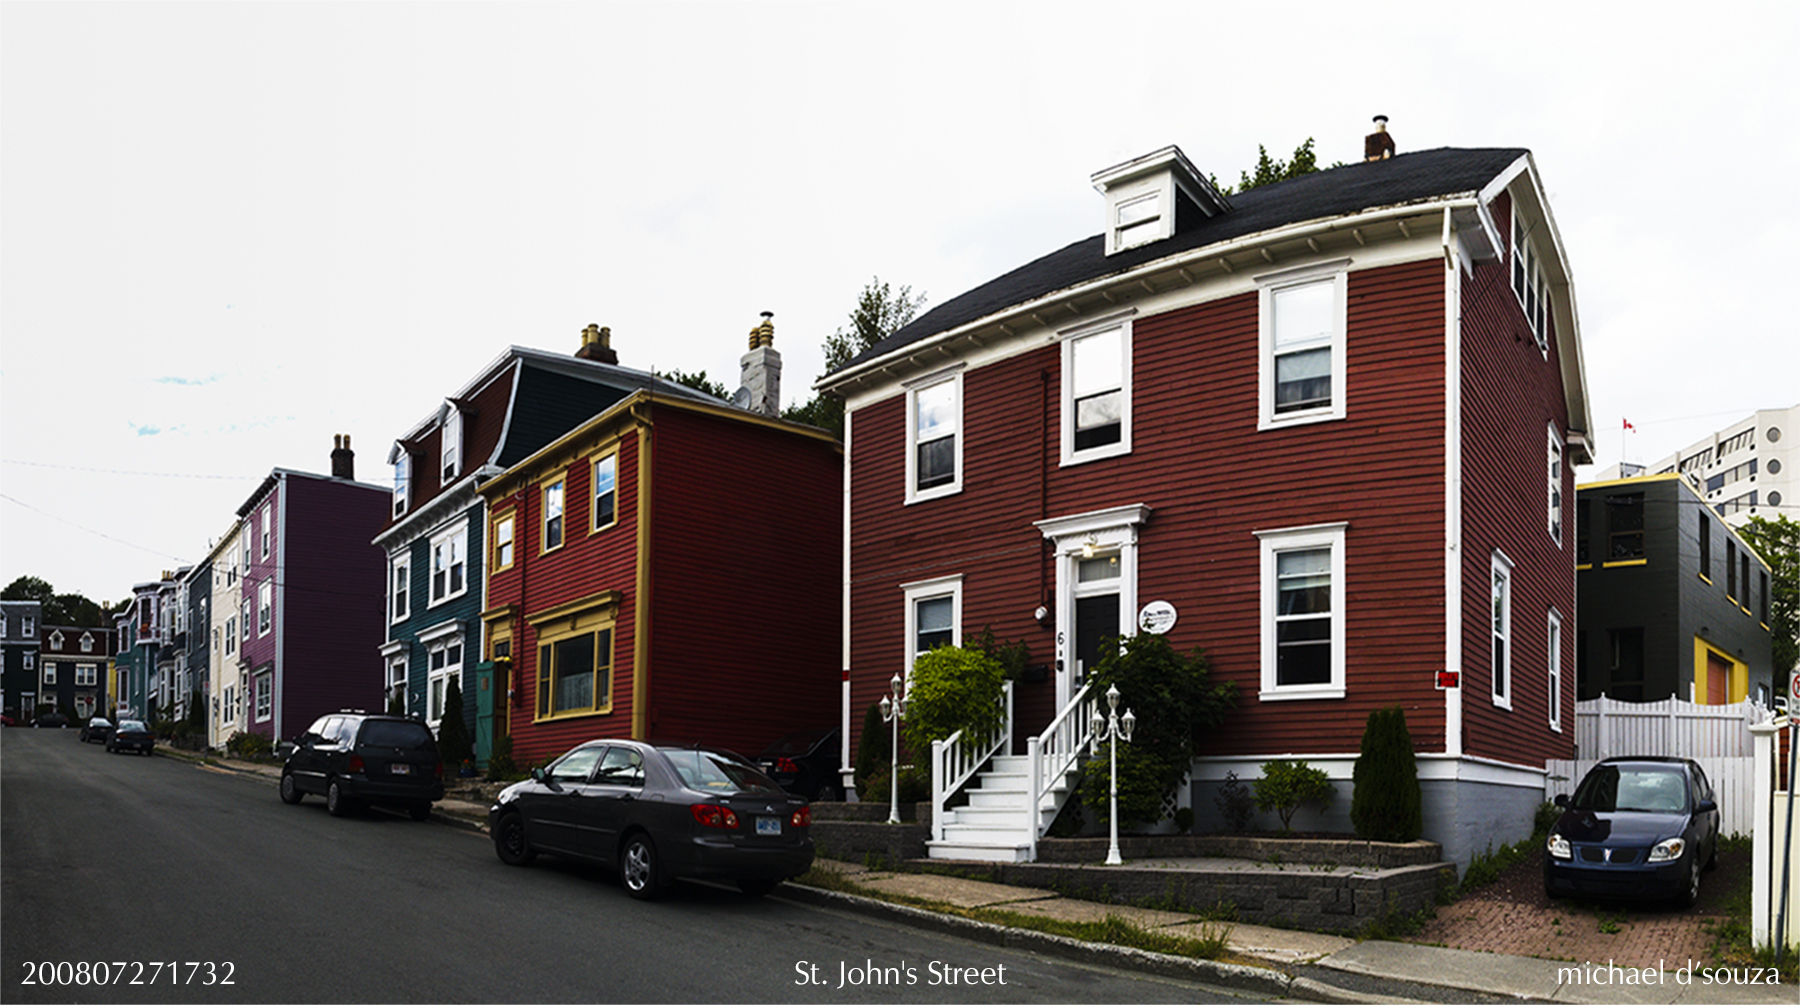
(1410, 177)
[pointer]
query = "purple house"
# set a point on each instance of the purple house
(310, 622)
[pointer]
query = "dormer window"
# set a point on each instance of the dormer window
(401, 459)
(56, 639)
(1529, 284)
(1153, 196)
(451, 448)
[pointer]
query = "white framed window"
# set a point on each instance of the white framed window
(450, 445)
(265, 696)
(86, 674)
(1138, 220)
(1529, 284)
(401, 459)
(1300, 374)
(444, 664)
(1096, 390)
(397, 681)
(244, 622)
(554, 522)
(56, 639)
(28, 626)
(1303, 612)
(505, 537)
(450, 563)
(933, 436)
(231, 636)
(1554, 483)
(400, 587)
(265, 607)
(1553, 668)
(1501, 596)
(933, 616)
(606, 492)
(248, 536)
(87, 642)
(49, 668)
(264, 530)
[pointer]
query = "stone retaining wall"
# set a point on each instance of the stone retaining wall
(1251, 847)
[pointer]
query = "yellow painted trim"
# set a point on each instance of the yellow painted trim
(610, 449)
(1746, 611)
(1737, 678)
(640, 642)
(1629, 561)
(604, 598)
(544, 484)
(1634, 480)
(1704, 578)
(1583, 567)
(547, 639)
(510, 513)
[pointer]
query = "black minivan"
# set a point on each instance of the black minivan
(352, 759)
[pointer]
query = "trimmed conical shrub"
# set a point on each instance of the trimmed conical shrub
(1386, 805)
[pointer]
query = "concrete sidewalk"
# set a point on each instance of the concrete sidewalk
(1281, 963)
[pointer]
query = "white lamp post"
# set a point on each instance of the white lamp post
(1107, 730)
(893, 710)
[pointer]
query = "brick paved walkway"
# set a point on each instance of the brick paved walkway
(1574, 933)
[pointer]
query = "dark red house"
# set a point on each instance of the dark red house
(1326, 425)
(667, 571)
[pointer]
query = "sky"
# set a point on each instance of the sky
(229, 232)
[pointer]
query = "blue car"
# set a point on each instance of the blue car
(1639, 828)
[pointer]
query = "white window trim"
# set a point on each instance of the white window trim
(400, 601)
(953, 376)
(265, 603)
(1553, 483)
(1338, 273)
(440, 641)
(1324, 535)
(264, 529)
(456, 537)
(1534, 280)
(264, 682)
(1069, 336)
(1500, 686)
(450, 437)
(930, 589)
(1553, 665)
(594, 524)
(1106, 531)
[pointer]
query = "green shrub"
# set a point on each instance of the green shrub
(1385, 805)
(454, 743)
(874, 747)
(1014, 657)
(248, 746)
(953, 689)
(500, 766)
(1235, 804)
(1171, 696)
(1285, 785)
(915, 785)
(1141, 785)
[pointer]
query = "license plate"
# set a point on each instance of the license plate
(768, 825)
(400, 769)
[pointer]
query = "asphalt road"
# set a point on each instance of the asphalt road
(130, 864)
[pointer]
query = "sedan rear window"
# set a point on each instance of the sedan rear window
(709, 771)
(401, 735)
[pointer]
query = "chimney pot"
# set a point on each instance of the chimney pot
(343, 459)
(1378, 145)
(596, 345)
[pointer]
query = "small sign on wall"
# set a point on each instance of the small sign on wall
(1157, 617)
(1448, 680)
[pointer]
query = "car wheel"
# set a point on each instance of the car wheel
(290, 790)
(758, 887)
(637, 867)
(419, 811)
(1691, 893)
(510, 843)
(336, 803)
(1712, 858)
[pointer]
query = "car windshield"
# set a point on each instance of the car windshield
(401, 735)
(712, 771)
(1633, 788)
(97, 721)
(796, 743)
(130, 725)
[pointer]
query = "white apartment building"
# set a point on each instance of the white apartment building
(1746, 469)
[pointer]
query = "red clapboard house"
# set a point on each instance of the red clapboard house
(669, 571)
(1325, 425)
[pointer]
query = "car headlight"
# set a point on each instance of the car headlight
(1558, 846)
(1667, 851)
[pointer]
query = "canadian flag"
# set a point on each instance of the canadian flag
(1629, 426)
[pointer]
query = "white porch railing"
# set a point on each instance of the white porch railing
(952, 765)
(1051, 754)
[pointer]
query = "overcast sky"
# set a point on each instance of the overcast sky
(230, 231)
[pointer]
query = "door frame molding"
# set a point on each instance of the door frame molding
(1103, 530)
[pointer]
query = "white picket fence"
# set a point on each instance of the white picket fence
(1717, 737)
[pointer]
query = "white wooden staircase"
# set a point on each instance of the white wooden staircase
(1013, 798)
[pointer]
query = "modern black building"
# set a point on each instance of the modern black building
(1669, 600)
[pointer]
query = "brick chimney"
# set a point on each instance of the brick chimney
(759, 374)
(596, 345)
(1378, 145)
(343, 459)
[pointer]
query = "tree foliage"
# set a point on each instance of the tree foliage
(697, 381)
(1777, 541)
(58, 608)
(454, 743)
(1386, 804)
(1285, 785)
(1142, 775)
(880, 311)
(1270, 170)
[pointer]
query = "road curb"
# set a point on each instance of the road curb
(1229, 975)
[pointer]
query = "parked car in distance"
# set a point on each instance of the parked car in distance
(1637, 828)
(6, 719)
(354, 759)
(130, 734)
(96, 730)
(55, 720)
(806, 763)
(657, 814)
